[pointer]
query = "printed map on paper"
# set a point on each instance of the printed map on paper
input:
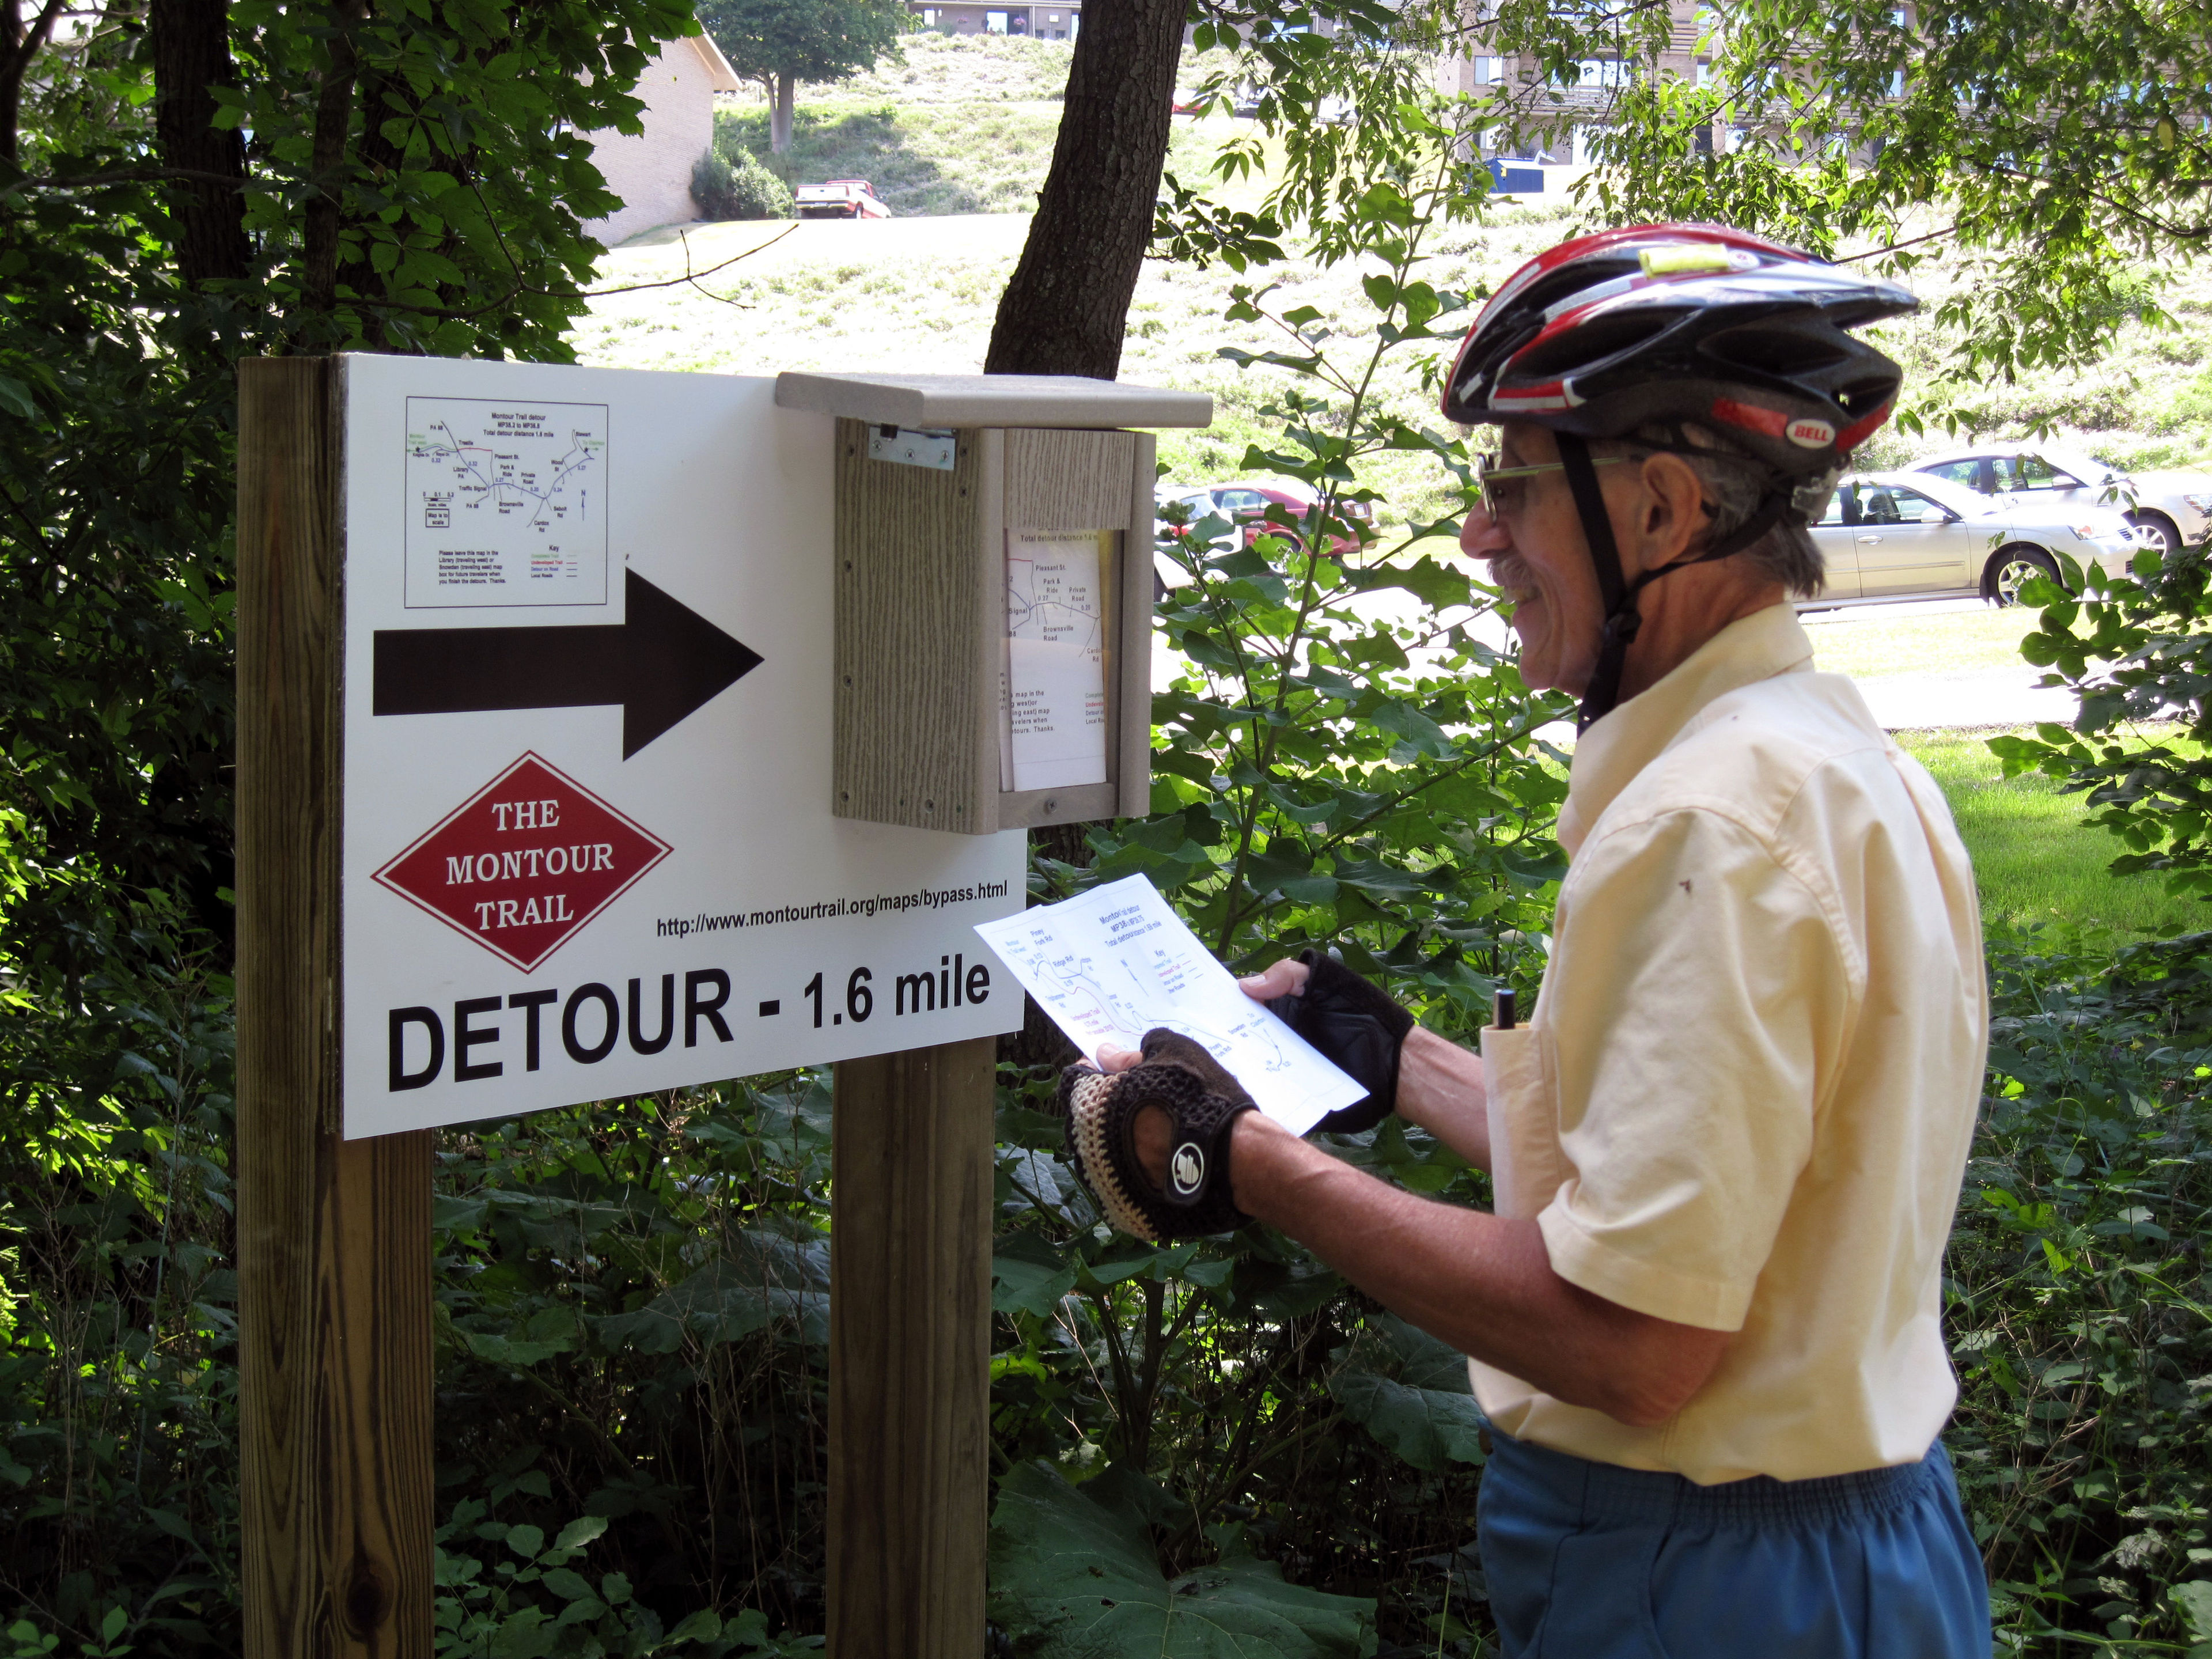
(1114, 962)
(1053, 734)
(506, 503)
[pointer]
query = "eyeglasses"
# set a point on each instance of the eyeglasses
(1503, 488)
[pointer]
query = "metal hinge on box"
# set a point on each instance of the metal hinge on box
(912, 446)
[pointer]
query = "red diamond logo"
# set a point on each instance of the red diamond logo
(525, 862)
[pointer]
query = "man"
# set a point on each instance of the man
(1705, 1320)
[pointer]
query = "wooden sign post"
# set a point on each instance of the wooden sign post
(336, 1470)
(910, 1351)
(523, 822)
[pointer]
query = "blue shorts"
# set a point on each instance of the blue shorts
(1592, 1561)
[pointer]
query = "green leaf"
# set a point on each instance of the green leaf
(1019, 1284)
(2194, 1599)
(527, 1542)
(1427, 1427)
(704, 1625)
(1423, 1361)
(765, 1278)
(581, 1532)
(1069, 1575)
(507, 1351)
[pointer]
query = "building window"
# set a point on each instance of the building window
(1489, 72)
(994, 23)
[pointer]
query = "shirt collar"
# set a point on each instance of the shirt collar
(1612, 752)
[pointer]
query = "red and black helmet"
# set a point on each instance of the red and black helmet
(1654, 323)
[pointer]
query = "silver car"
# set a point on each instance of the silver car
(2176, 505)
(1909, 536)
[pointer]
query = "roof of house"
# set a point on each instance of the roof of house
(720, 76)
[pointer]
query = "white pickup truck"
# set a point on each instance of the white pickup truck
(840, 198)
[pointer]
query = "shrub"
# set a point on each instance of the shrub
(737, 187)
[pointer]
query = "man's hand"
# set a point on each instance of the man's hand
(1349, 1021)
(1439, 1083)
(1285, 978)
(1149, 1135)
(1154, 1131)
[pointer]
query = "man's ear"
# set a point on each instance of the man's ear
(1673, 509)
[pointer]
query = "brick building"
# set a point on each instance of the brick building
(651, 170)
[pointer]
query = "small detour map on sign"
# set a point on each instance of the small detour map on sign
(1052, 730)
(1110, 964)
(506, 503)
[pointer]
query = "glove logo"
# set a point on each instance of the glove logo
(1186, 1169)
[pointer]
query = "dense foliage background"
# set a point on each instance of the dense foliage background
(632, 1295)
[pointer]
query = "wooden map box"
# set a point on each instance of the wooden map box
(934, 474)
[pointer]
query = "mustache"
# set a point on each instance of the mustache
(1510, 570)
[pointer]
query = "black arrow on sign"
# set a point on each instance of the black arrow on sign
(664, 662)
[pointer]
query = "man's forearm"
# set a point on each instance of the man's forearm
(1483, 1285)
(1440, 1090)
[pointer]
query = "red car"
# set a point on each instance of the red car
(840, 198)
(1247, 504)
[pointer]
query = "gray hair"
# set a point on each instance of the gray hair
(1736, 484)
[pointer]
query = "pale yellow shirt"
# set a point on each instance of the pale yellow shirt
(1744, 1098)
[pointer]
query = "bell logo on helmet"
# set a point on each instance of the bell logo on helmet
(1811, 433)
(1186, 1169)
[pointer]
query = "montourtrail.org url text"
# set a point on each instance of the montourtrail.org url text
(926, 898)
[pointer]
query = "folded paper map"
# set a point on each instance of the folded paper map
(1112, 963)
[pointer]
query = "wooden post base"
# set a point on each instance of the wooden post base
(909, 1353)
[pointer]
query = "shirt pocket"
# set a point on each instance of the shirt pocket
(1521, 1081)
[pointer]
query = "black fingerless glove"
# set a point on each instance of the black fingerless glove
(1357, 1028)
(1203, 1100)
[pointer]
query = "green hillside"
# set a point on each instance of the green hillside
(954, 124)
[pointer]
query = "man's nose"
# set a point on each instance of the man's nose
(1481, 536)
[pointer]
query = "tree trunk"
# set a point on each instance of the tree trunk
(319, 250)
(779, 118)
(191, 54)
(20, 42)
(1067, 306)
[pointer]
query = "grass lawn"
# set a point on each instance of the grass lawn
(2032, 858)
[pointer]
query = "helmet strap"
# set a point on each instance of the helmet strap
(1622, 618)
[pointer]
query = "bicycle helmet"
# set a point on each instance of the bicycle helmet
(1666, 324)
